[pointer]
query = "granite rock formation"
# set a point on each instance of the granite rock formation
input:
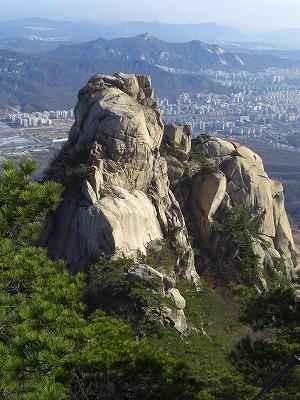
(117, 198)
(233, 174)
(130, 183)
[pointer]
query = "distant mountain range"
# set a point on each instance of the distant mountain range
(172, 57)
(65, 31)
(206, 32)
(39, 33)
(51, 79)
(188, 57)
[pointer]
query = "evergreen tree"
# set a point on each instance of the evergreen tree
(52, 348)
(276, 315)
(49, 348)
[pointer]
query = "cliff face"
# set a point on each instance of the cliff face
(234, 175)
(125, 190)
(117, 200)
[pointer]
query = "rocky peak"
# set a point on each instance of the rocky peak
(146, 36)
(122, 201)
(118, 113)
(230, 174)
(131, 183)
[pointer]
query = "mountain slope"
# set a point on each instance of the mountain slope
(32, 81)
(178, 57)
(183, 56)
(49, 81)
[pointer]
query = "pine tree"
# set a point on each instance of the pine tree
(49, 347)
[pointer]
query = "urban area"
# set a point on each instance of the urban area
(38, 135)
(261, 106)
(264, 106)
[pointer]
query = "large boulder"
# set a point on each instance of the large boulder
(180, 136)
(169, 314)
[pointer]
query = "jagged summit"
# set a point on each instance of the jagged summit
(130, 183)
(117, 201)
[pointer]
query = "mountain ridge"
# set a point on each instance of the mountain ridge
(146, 47)
(71, 31)
(48, 72)
(88, 29)
(175, 68)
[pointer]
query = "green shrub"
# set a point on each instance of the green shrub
(161, 257)
(238, 231)
(205, 164)
(110, 289)
(276, 315)
(24, 203)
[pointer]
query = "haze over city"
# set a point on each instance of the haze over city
(248, 15)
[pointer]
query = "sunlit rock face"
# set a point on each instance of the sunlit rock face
(115, 113)
(239, 179)
(117, 199)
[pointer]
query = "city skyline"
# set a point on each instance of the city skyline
(248, 15)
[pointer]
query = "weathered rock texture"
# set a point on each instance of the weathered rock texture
(180, 136)
(124, 192)
(237, 177)
(171, 314)
(117, 198)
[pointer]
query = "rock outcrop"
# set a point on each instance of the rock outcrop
(128, 178)
(171, 314)
(117, 198)
(180, 136)
(237, 176)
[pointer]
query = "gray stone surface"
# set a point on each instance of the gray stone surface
(241, 180)
(123, 201)
(179, 136)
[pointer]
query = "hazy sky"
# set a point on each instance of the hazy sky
(261, 14)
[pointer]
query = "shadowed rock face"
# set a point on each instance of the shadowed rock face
(118, 199)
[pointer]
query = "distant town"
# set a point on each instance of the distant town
(38, 135)
(36, 119)
(264, 106)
